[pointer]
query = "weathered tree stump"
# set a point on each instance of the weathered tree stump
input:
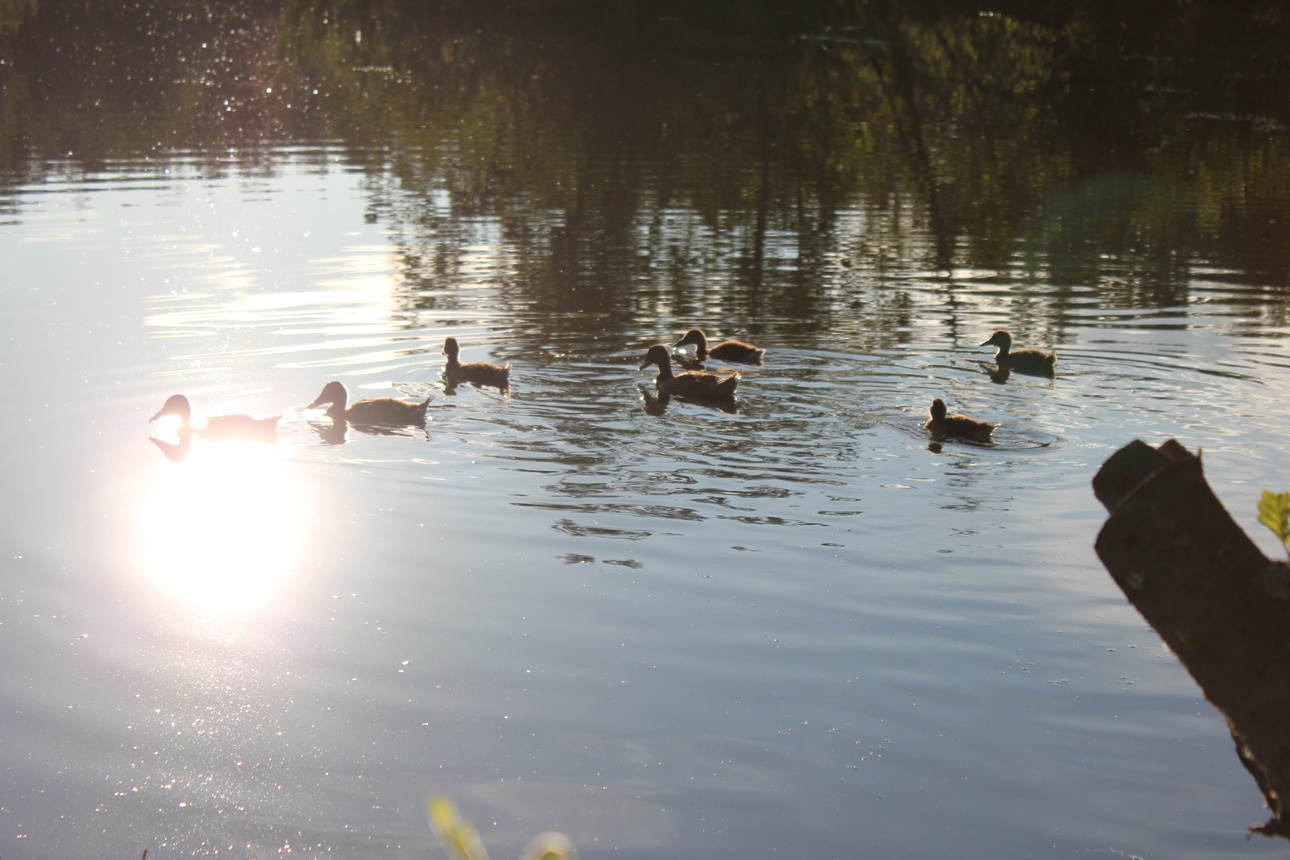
(1214, 598)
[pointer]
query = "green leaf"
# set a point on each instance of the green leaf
(1274, 512)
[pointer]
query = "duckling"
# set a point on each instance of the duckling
(477, 373)
(957, 425)
(693, 384)
(1023, 360)
(374, 410)
(219, 428)
(727, 350)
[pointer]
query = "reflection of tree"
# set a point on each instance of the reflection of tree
(621, 148)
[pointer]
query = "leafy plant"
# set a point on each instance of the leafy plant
(1274, 512)
(463, 842)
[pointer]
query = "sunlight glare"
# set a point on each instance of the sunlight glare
(223, 528)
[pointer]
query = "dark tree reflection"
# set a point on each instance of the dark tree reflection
(726, 155)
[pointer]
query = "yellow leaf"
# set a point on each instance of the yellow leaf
(1274, 512)
(458, 837)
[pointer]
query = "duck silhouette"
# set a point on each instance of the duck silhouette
(373, 410)
(1032, 361)
(219, 428)
(477, 373)
(727, 350)
(942, 424)
(693, 384)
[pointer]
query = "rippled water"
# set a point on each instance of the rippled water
(795, 629)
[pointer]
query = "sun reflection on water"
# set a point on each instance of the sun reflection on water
(223, 527)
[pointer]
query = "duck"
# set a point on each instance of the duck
(727, 350)
(477, 373)
(374, 410)
(1023, 360)
(219, 428)
(961, 426)
(693, 384)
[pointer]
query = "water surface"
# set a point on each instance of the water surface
(800, 627)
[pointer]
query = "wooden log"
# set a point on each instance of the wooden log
(1213, 597)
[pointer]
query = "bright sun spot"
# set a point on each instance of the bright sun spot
(223, 527)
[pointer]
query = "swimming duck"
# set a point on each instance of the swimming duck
(374, 410)
(727, 350)
(957, 425)
(1023, 360)
(477, 373)
(219, 428)
(693, 384)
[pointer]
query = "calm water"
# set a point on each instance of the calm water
(797, 628)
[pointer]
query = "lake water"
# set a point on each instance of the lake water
(798, 628)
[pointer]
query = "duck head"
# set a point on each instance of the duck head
(657, 355)
(694, 336)
(938, 409)
(1000, 338)
(175, 405)
(333, 393)
(451, 347)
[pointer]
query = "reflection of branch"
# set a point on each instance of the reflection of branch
(898, 90)
(972, 84)
(1217, 602)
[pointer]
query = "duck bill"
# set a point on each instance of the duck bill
(161, 412)
(316, 403)
(645, 364)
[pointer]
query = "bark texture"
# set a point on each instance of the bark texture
(1214, 598)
